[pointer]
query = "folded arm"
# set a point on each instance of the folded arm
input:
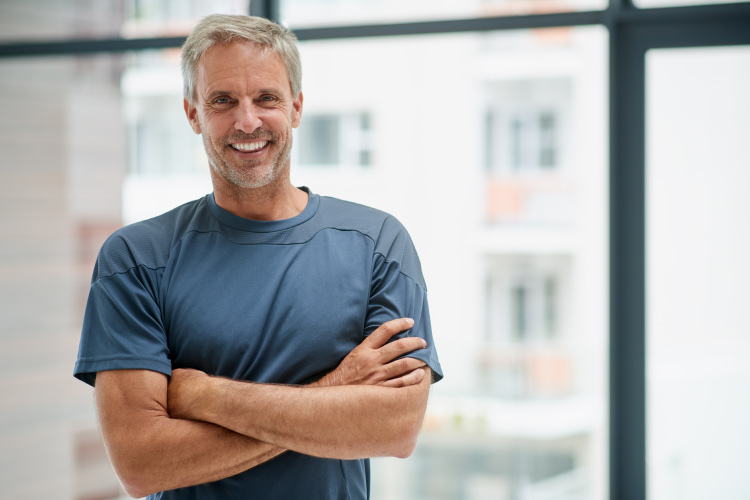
(152, 450)
(346, 422)
(377, 417)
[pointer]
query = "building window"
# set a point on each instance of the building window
(523, 122)
(523, 299)
(519, 312)
(522, 140)
(525, 355)
(330, 140)
(320, 140)
(160, 141)
(528, 163)
(547, 140)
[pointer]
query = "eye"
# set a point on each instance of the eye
(267, 98)
(221, 100)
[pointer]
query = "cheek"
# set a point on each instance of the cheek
(214, 130)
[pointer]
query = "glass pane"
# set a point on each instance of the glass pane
(312, 13)
(514, 250)
(94, 143)
(697, 246)
(63, 155)
(35, 20)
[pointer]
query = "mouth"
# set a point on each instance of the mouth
(249, 147)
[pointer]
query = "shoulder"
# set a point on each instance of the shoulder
(347, 215)
(392, 242)
(148, 242)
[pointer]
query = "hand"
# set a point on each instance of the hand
(372, 361)
(183, 392)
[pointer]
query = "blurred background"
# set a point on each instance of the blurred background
(496, 148)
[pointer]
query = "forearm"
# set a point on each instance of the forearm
(347, 422)
(176, 454)
(152, 452)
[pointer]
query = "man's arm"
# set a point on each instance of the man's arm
(346, 422)
(375, 418)
(150, 451)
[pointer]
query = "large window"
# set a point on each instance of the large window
(697, 241)
(516, 285)
(559, 166)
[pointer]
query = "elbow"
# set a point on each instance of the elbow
(410, 424)
(135, 476)
(405, 449)
(134, 485)
(404, 446)
(135, 491)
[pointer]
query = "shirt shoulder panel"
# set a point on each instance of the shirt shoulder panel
(148, 243)
(390, 237)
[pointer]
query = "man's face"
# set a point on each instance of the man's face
(245, 111)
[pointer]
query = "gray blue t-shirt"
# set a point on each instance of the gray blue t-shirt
(264, 301)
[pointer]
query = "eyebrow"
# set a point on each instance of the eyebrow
(216, 93)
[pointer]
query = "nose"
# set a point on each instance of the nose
(247, 117)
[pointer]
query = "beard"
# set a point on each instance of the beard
(250, 174)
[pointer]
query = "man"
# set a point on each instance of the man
(240, 345)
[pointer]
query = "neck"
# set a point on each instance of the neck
(273, 202)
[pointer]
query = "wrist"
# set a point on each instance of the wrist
(206, 393)
(328, 380)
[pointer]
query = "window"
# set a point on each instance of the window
(523, 121)
(530, 173)
(529, 351)
(334, 140)
(523, 293)
(492, 146)
(697, 342)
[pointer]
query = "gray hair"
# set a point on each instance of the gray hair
(221, 28)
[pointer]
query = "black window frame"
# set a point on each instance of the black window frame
(632, 32)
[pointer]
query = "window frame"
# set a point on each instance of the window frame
(632, 32)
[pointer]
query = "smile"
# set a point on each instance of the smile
(249, 146)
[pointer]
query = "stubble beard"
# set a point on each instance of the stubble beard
(251, 175)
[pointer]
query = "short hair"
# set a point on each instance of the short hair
(223, 29)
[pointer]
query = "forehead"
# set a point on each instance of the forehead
(240, 65)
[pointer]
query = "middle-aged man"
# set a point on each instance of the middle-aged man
(262, 341)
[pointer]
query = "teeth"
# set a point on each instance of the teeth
(249, 146)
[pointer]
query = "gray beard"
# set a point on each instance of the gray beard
(239, 179)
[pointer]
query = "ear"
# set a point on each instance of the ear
(297, 111)
(192, 115)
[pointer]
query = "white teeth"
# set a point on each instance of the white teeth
(249, 146)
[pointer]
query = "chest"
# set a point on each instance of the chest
(267, 313)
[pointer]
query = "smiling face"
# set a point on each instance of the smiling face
(245, 111)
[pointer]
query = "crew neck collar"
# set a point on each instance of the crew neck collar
(263, 226)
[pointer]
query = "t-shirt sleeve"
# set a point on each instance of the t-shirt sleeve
(398, 291)
(122, 326)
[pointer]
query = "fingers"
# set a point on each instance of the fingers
(380, 336)
(401, 347)
(401, 367)
(412, 378)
